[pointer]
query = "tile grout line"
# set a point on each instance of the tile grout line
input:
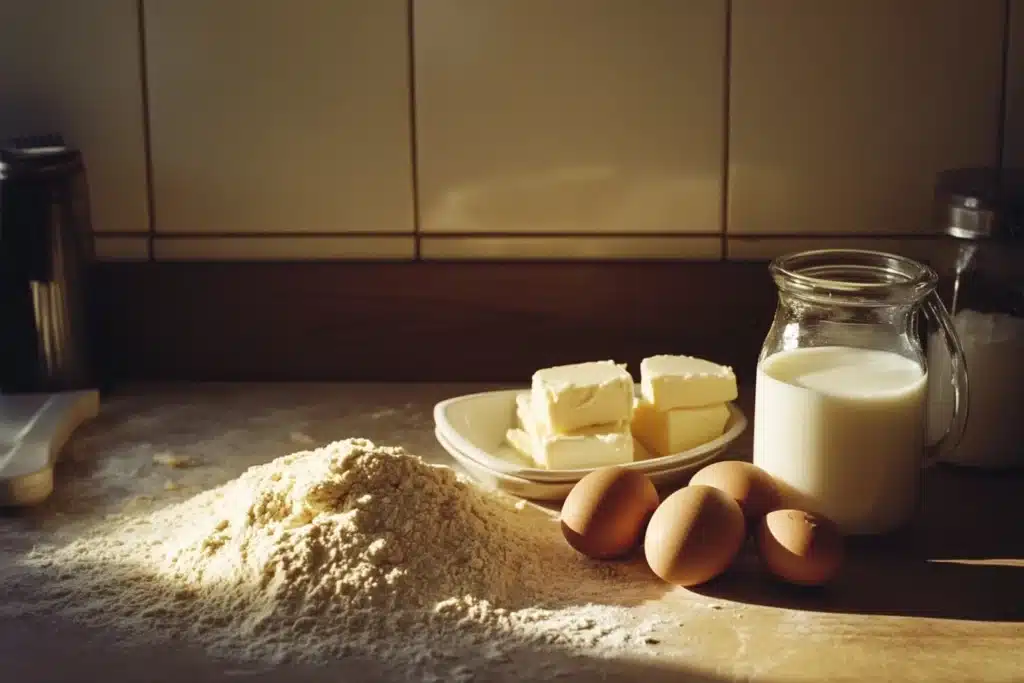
(413, 141)
(223, 235)
(1004, 86)
(147, 149)
(363, 234)
(726, 127)
(442, 235)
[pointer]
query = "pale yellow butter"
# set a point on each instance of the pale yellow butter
(523, 418)
(669, 382)
(592, 446)
(640, 451)
(566, 398)
(665, 432)
(518, 439)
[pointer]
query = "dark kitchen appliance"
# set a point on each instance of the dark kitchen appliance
(47, 380)
(45, 250)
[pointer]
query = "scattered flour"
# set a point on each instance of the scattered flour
(301, 438)
(168, 459)
(350, 549)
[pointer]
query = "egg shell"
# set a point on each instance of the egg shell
(800, 547)
(694, 535)
(754, 489)
(604, 514)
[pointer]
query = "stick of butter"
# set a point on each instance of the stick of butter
(592, 446)
(518, 439)
(669, 382)
(589, 447)
(524, 419)
(566, 398)
(672, 431)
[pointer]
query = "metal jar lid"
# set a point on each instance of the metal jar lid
(34, 162)
(980, 203)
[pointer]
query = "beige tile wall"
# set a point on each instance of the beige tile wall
(505, 129)
(841, 111)
(279, 117)
(75, 67)
(577, 116)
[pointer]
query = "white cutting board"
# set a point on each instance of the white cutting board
(34, 428)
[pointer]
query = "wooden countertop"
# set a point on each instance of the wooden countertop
(943, 603)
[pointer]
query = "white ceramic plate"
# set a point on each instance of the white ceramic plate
(555, 491)
(524, 488)
(474, 426)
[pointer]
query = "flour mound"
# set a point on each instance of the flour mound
(351, 549)
(355, 526)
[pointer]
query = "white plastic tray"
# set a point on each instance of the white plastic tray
(472, 427)
(34, 429)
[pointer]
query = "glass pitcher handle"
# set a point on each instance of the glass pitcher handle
(936, 312)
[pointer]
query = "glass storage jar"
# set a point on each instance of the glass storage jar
(980, 263)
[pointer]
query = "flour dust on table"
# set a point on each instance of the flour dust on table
(350, 549)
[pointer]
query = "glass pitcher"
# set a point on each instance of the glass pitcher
(840, 416)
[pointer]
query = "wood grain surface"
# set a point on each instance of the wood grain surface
(941, 603)
(424, 321)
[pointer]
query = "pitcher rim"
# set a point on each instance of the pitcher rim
(821, 270)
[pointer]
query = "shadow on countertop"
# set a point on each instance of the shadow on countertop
(27, 653)
(962, 558)
(228, 429)
(29, 641)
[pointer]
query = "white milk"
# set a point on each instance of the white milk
(844, 427)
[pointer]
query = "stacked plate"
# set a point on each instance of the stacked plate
(472, 429)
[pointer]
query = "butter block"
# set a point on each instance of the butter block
(568, 397)
(640, 451)
(589, 447)
(592, 446)
(664, 432)
(669, 382)
(524, 419)
(518, 439)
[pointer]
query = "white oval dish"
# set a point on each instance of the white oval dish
(473, 427)
(555, 491)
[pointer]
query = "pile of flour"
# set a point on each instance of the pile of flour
(350, 549)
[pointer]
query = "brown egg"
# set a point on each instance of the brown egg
(694, 535)
(754, 489)
(605, 512)
(800, 547)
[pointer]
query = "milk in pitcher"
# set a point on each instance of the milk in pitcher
(845, 427)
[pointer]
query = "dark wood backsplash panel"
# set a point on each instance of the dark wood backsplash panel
(420, 321)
